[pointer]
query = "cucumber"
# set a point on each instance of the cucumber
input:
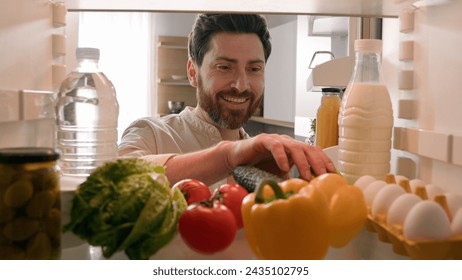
(250, 177)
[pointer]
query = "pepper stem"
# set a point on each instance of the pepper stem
(278, 193)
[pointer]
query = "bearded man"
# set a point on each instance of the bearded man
(226, 65)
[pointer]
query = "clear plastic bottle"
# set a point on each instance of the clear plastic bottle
(327, 118)
(86, 114)
(365, 117)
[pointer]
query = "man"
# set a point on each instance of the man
(227, 58)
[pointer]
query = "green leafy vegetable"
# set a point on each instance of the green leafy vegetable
(126, 205)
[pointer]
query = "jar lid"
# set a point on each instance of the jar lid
(330, 89)
(27, 154)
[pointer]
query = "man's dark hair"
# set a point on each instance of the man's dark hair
(208, 24)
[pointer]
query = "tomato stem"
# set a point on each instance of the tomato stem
(207, 203)
(216, 196)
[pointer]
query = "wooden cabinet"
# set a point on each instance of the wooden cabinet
(171, 81)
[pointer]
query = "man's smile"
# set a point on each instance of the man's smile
(235, 99)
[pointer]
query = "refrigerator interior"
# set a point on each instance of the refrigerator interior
(424, 89)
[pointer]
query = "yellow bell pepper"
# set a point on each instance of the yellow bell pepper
(291, 226)
(347, 207)
(292, 185)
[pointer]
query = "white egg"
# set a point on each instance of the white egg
(456, 225)
(400, 208)
(433, 190)
(414, 183)
(371, 190)
(384, 198)
(454, 201)
(364, 181)
(427, 221)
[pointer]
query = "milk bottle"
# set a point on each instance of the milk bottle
(365, 117)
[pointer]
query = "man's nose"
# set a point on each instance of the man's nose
(241, 81)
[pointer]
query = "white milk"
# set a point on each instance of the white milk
(365, 130)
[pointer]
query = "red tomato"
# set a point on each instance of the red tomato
(193, 190)
(207, 227)
(231, 195)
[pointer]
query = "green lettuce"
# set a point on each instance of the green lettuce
(123, 204)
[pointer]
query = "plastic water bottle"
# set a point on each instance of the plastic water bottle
(365, 117)
(86, 114)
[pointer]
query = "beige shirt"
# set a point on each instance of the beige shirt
(157, 139)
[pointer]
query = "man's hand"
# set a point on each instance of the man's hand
(278, 153)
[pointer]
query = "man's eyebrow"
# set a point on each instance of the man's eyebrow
(225, 58)
(232, 60)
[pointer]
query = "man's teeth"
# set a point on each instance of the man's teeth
(235, 99)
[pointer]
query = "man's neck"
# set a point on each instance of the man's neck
(226, 134)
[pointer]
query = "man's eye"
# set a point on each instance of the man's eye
(256, 69)
(223, 67)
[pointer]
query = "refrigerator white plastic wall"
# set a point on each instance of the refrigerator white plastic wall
(26, 36)
(33, 46)
(427, 99)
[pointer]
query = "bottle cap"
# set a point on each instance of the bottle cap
(87, 53)
(368, 45)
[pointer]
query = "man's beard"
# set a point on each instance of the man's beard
(224, 117)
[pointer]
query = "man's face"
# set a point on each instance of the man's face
(230, 82)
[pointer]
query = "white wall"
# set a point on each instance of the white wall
(279, 100)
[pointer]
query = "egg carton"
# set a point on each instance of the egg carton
(418, 250)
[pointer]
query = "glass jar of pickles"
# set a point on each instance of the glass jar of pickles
(30, 209)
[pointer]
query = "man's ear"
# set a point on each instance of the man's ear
(192, 72)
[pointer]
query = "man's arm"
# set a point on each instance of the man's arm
(271, 152)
